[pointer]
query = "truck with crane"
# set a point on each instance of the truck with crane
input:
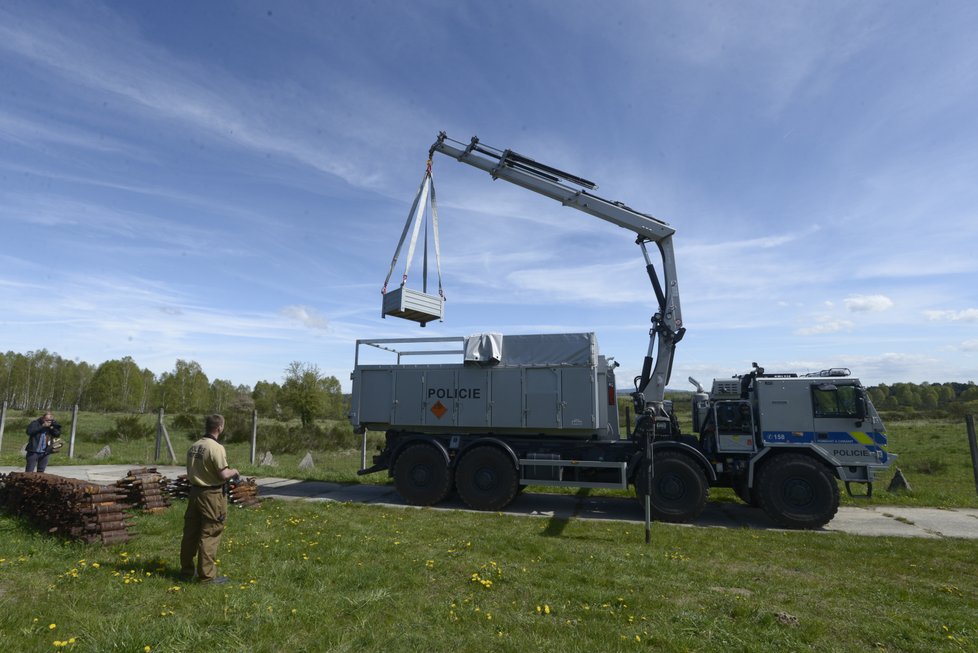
(509, 411)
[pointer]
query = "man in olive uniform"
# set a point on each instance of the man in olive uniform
(203, 523)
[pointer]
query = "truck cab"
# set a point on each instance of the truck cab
(805, 430)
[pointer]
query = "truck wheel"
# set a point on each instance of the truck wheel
(798, 492)
(421, 475)
(486, 478)
(679, 487)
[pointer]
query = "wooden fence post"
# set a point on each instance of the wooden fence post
(74, 428)
(3, 418)
(254, 434)
(973, 443)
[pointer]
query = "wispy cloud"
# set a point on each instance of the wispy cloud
(825, 325)
(306, 316)
(868, 303)
(964, 315)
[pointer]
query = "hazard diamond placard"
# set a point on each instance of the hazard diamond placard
(439, 409)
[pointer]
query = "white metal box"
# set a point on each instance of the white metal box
(413, 305)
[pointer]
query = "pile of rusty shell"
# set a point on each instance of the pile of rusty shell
(67, 507)
(144, 488)
(177, 489)
(243, 493)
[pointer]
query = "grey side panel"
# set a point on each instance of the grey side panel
(376, 394)
(473, 410)
(407, 396)
(578, 398)
(506, 406)
(542, 392)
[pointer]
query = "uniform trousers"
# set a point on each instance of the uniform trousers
(203, 524)
(37, 461)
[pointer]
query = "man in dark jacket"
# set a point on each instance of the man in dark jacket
(40, 434)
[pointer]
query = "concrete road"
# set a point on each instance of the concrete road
(866, 520)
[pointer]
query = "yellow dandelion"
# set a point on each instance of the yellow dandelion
(52, 626)
(96, 565)
(147, 648)
(546, 609)
(72, 640)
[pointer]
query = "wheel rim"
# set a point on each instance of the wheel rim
(485, 478)
(671, 488)
(421, 475)
(798, 492)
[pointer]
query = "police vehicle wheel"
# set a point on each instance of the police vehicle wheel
(421, 475)
(486, 478)
(679, 487)
(798, 492)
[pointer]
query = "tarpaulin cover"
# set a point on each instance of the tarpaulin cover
(548, 349)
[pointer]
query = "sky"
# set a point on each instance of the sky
(226, 182)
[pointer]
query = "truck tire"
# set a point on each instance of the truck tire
(422, 476)
(798, 492)
(486, 478)
(679, 487)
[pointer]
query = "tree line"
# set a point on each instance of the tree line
(926, 399)
(41, 380)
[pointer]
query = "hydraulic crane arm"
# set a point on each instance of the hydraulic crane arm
(570, 190)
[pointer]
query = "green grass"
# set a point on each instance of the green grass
(343, 577)
(346, 577)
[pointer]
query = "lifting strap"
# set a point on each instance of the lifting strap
(417, 216)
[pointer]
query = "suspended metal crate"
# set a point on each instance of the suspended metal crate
(413, 305)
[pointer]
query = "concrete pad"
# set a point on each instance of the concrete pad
(874, 521)
(945, 523)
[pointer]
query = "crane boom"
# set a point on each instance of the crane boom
(570, 190)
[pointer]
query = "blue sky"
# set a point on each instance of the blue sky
(225, 182)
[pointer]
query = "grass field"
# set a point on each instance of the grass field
(343, 577)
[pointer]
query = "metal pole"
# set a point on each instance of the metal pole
(159, 435)
(363, 451)
(169, 445)
(970, 421)
(74, 429)
(3, 419)
(648, 486)
(254, 434)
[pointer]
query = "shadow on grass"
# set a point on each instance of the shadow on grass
(556, 525)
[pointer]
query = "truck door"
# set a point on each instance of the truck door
(841, 424)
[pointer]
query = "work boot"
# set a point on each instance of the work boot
(217, 580)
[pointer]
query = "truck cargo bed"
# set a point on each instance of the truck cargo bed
(525, 384)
